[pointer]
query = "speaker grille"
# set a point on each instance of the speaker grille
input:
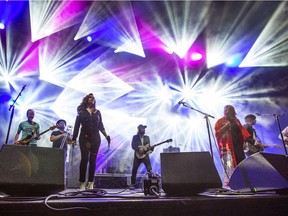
(26, 170)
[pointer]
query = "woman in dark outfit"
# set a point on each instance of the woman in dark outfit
(91, 123)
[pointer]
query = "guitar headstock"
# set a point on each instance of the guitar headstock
(53, 127)
(277, 146)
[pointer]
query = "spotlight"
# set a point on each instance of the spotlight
(2, 26)
(234, 61)
(195, 56)
(89, 38)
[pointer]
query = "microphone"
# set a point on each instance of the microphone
(23, 87)
(181, 102)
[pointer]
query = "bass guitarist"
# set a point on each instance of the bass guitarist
(28, 128)
(138, 142)
(250, 149)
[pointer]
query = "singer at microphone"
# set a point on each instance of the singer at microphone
(230, 136)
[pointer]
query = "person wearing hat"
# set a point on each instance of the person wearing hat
(58, 136)
(258, 145)
(138, 142)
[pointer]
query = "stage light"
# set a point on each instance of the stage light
(131, 47)
(227, 33)
(195, 56)
(49, 17)
(178, 36)
(2, 26)
(89, 38)
(270, 48)
(115, 29)
(234, 61)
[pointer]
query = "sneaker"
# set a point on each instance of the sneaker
(90, 186)
(82, 186)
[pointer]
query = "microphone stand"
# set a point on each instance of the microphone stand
(12, 107)
(206, 116)
(276, 117)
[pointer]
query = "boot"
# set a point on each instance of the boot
(90, 186)
(82, 186)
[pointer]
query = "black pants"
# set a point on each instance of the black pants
(136, 164)
(89, 146)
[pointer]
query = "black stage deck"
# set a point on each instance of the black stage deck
(112, 202)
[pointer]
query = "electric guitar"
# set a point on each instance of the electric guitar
(257, 148)
(29, 138)
(147, 149)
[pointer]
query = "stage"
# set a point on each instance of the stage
(133, 202)
(40, 189)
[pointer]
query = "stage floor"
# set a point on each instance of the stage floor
(115, 202)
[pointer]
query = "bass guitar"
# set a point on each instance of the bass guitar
(29, 138)
(147, 149)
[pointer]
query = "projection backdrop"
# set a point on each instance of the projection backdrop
(140, 58)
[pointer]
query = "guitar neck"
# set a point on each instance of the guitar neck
(44, 132)
(166, 141)
(51, 128)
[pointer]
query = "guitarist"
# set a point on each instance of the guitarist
(285, 136)
(252, 149)
(28, 128)
(139, 140)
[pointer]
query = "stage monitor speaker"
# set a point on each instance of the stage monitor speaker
(261, 172)
(26, 170)
(188, 173)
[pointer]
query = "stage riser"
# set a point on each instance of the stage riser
(114, 181)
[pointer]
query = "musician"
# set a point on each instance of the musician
(29, 129)
(60, 138)
(285, 136)
(231, 135)
(249, 150)
(90, 120)
(138, 141)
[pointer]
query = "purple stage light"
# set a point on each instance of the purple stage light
(196, 56)
(2, 26)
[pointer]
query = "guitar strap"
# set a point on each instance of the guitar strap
(256, 136)
(142, 140)
(33, 128)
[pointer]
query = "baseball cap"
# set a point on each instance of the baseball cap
(60, 120)
(141, 126)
